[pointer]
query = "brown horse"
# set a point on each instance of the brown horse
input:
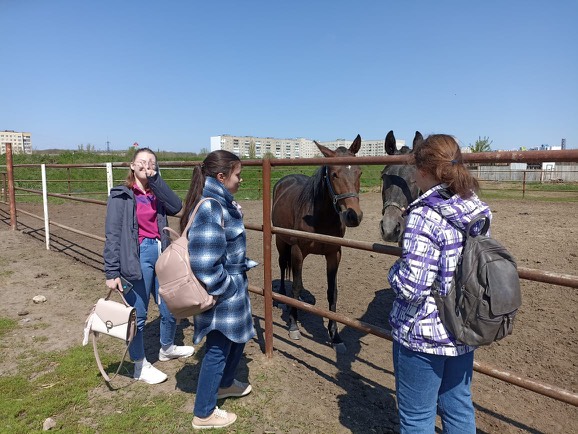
(324, 203)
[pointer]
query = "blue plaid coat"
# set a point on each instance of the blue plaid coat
(218, 259)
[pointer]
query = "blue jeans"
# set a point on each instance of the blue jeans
(425, 383)
(139, 298)
(222, 357)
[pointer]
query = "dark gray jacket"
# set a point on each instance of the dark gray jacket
(121, 247)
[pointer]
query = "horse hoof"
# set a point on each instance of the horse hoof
(340, 348)
(295, 334)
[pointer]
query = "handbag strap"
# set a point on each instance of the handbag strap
(99, 363)
(132, 333)
(119, 293)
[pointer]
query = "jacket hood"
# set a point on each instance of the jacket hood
(120, 190)
(458, 211)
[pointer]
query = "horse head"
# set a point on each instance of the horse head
(398, 189)
(343, 183)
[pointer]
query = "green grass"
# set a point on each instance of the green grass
(66, 386)
(7, 325)
(56, 385)
(48, 385)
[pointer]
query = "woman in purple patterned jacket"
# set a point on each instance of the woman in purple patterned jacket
(433, 372)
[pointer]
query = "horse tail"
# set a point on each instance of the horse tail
(286, 262)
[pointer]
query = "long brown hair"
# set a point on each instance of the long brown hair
(440, 156)
(216, 162)
(130, 179)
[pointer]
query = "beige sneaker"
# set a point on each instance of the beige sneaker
(219, 419)
(237, 389)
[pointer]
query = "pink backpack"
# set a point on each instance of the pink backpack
(182, 292)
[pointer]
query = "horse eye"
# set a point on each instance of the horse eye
(334, 175)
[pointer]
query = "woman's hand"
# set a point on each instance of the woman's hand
(150, 172)
(147, 168)
(114, 284)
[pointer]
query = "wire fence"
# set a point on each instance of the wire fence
(94, 181)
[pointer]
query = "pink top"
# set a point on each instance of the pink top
(146, 214)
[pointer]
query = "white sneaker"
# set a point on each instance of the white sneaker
(174, 352)
(148, 373)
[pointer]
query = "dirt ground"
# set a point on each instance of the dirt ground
(306, 386)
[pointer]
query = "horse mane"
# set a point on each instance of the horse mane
(314, 190)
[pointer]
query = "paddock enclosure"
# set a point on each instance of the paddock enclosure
(359, 384)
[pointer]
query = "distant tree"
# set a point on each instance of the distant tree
(131, 151)
(269, 155)
(81, 147)
(252, 150)
(203, 152)
(482, 145)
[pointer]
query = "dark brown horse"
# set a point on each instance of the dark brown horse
(398, 189)
(324, 203)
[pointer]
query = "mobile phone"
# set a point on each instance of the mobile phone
(126, 285)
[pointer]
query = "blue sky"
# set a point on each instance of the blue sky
(170, 74)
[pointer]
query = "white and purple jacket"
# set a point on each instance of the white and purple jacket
(431, 247)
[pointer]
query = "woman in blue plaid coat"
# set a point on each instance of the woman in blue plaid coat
(218, 258)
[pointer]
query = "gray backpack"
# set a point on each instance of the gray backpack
(485, 293)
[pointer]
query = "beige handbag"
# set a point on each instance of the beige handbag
(114, 319)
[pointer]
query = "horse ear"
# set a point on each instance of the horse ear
(417, 139)
(325, 150)
(390, 146)
(356, 145)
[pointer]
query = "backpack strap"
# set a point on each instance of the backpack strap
(476, 219)
(473, 221)
(192, 217)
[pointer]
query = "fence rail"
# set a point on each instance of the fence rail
(268, 230)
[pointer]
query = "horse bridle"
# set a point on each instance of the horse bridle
(389, 203)
(402, 184)
(336, 197)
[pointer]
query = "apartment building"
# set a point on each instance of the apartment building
(21, 142)
(369, 148)
(259, 147)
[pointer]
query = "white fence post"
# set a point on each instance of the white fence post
(45, 203)
(109, 179)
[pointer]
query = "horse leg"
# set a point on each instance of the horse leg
(332, 267)
(296, 268)
(284, 257)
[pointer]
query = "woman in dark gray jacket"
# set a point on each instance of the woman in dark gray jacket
(136, 213)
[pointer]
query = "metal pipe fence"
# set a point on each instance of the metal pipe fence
(268, 230)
